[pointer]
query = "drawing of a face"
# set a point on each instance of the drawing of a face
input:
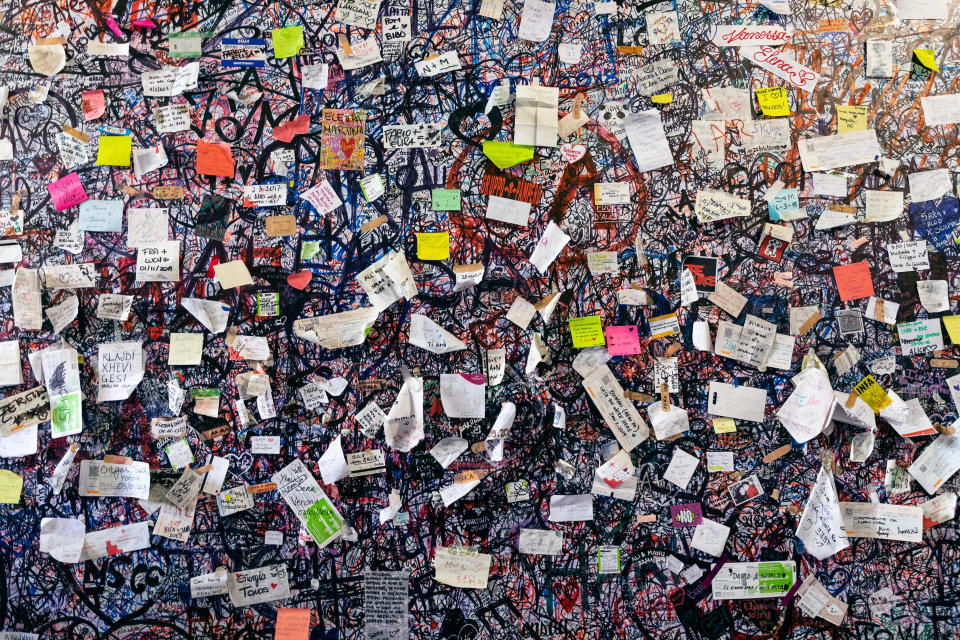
(611, 116)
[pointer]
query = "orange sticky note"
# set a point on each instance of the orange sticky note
(854, 281)
(292, 624)
(214, 159)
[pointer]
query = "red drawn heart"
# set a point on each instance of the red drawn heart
(573, 152)
(347, 145)
(300, 280)
(273, 585)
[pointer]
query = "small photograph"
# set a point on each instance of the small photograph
(746, 490)
(850, 321)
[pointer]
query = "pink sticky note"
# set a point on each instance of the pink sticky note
(67, 191)
(93, 103)
(623, 340)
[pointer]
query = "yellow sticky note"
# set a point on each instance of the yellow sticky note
(11, 485)
(724, 425)
(433, 246)
(663, 98)
(114, 151)
(773, 101)
(507, 154)
(926, 59)
(953, 328)
(851, 118)
(873, 394)
(587, 332)
(287, 41)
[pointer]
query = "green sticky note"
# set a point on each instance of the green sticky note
(507, 154)
(446, 199)
(926, 58)
(587, 332)
(309, 249)
(287, 41)
(775, 577)
(322, 521)
(114, 151)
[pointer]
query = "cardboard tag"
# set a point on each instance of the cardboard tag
(665, 397)
(168, 193)
(277, 226)
(111, 459)
(637, 396)
(345, 45)
(878, 312)
(647, 517)
(479, 447)
(672, 349)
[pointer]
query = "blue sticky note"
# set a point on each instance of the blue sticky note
(785, 200)
(101, 215)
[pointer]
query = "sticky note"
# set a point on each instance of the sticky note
(67, 192)
(507, 154)
(663, 98)
(232, 274)
(446, 199)
(587, 332)
(102, 215)
(773, 101)
(214, 159)
(851, 118)
(433, 246)
(287, 41)
(953, 327)
(786, 200)
(926, 59)
(292, 624)
(115, 151)
(622, 340)
(724, 425)
(93, 104)
(854, 281)
(11, 485)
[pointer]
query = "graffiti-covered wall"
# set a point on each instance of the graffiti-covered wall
(491, 320)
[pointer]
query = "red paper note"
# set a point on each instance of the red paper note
(214, 159)
(854, 281)
(286, 131)
(292, 624)
(67, 191)
(93, 103)
(623, 340)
